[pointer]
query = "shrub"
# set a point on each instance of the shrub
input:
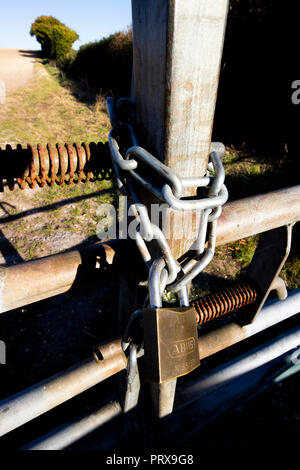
(106, 64)
(56, 38)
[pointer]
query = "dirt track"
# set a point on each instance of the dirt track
(16, 67)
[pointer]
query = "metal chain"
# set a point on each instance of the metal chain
(166, 272)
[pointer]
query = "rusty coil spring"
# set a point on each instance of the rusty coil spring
(57, 164)
(223, 302)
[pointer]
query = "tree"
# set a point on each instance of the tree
(56, 38)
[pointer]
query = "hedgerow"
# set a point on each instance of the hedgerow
(56, 38)
(106, 64)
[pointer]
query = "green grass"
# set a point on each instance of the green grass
(197, 291)
(76, 212)
(291, 272)
(244, 250)
(53, 109)
(47, 110)
(246, 175)
(33, 250)
(249, 174)
(255, 169)
(51, 194)
(48, 229)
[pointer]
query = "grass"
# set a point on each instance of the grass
(291, 272)
(56, 193)
(249, 174)
(244, 249)
(47, 111)
(52, 108)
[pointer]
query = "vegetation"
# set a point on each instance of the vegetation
(248, 175)
(41, 222)
(259, 157)
(106, 65)
(254, 111)
(56, 38)
(53, 112)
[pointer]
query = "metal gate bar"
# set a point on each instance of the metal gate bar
(272, 313)
(71, 432)
(204, 397)
(40, 279)
(36, 400)
(230, 385)
(30, 403)
(25, 283)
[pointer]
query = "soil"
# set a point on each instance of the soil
(34, 225)
(16, 67)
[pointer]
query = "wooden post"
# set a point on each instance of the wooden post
(177, 49)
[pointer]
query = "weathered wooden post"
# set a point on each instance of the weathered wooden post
(177, 48)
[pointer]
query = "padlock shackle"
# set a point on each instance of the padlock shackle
(183, 295)
(158, 277)
(155, 290)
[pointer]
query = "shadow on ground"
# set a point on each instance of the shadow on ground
(30, 53)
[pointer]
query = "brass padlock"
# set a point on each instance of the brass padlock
(170, 343)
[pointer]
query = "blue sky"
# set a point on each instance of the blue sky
(91, 19)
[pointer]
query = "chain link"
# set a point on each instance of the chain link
(165, 272)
